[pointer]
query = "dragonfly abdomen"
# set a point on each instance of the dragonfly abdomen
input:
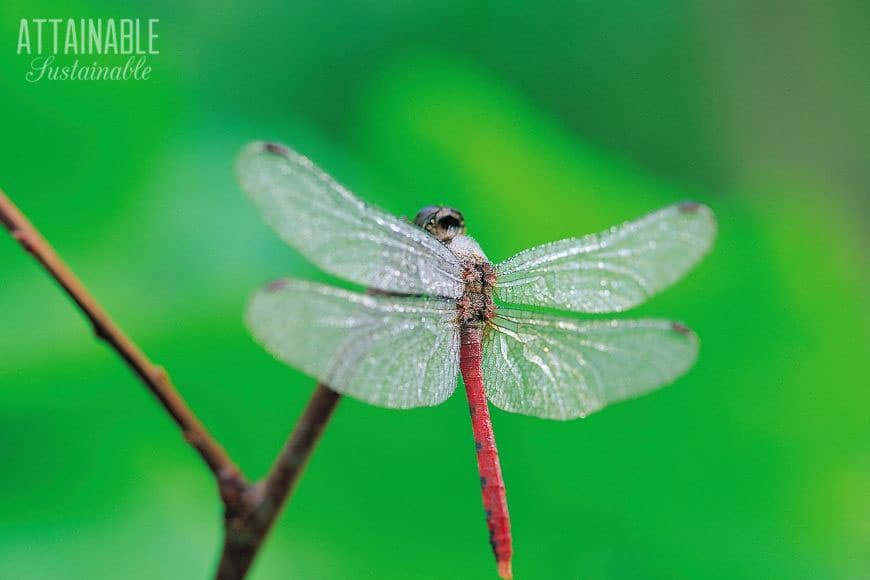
(491, 481)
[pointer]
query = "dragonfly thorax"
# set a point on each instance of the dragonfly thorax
(476, 306)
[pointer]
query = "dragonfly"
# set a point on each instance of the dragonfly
(435, 307)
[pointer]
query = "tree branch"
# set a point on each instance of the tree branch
(263, 502)
(250, 509)
(153, 376)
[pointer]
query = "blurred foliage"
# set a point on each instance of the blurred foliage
(540, 122)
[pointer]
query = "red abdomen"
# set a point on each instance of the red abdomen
(491, 482)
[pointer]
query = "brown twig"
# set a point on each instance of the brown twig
(250, 509)
(247, 527)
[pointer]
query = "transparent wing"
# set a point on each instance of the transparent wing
(391, 351)
(557, 368)
(614, 270)
(340, 233)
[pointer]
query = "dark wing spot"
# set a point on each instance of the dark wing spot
(277, 149)
(681, 328)
(276, 285)
(689, 206)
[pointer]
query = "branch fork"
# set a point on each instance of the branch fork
(250, 508)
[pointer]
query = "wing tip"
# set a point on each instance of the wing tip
(690, 206)
(255, 157)
(275, 148)
(276, 285)
(702, 214)
(245, 159)
(684, 331)
(696, 209)
(681, 328)
(259, 147)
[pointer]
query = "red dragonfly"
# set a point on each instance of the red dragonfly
(431, 310)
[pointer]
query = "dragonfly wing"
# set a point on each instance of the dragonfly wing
(390, 351)
(557, 368)
(614, 270)
(339, 232)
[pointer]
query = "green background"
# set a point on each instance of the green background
(540, 121)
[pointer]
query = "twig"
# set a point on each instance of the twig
(250, 509)
(154, 377)
(247, 528)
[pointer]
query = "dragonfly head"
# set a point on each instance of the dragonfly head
(445, 223)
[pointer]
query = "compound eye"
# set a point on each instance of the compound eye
(427, 216)
(451, 223)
